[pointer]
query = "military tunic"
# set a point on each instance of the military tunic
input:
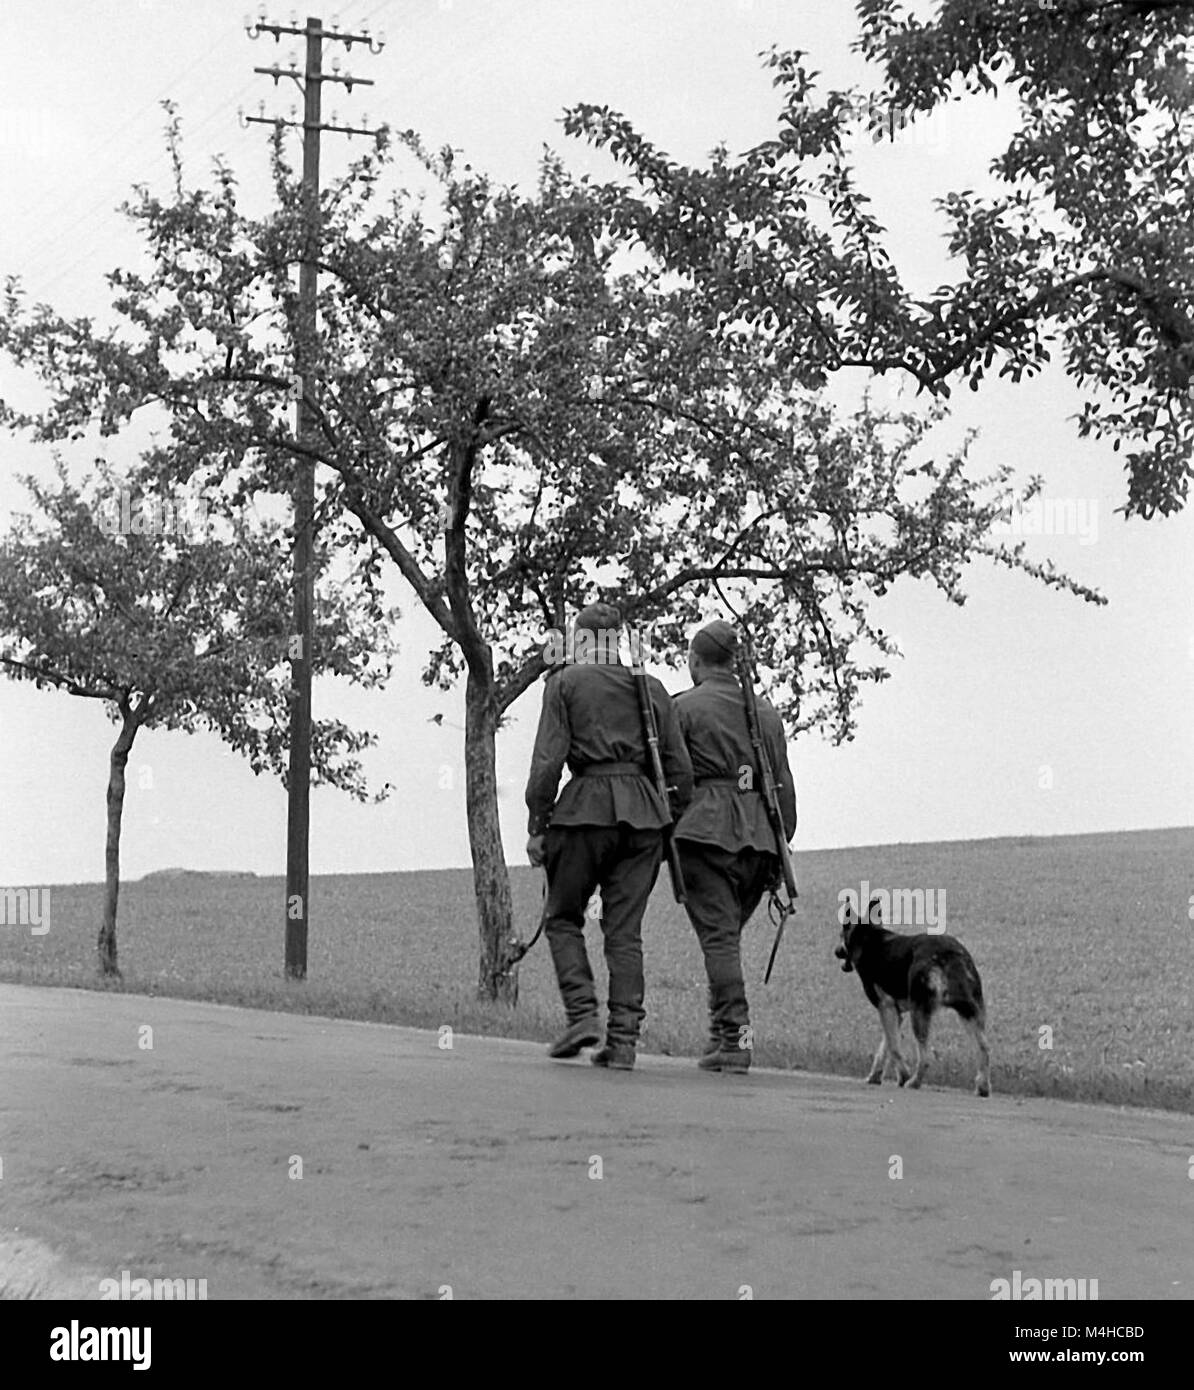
(590, 717)
(605, 830)
(727, 809)
(725, 841)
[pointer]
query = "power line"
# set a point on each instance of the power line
(98, 155)
(41, 258)
(43, 254)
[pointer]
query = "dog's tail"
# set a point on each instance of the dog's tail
(965, 990)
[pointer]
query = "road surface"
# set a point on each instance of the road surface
(483, 1170)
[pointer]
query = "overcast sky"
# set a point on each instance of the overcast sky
(1025, 712)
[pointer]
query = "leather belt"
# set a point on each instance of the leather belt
(612, 770)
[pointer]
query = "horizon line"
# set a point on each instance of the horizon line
(463, 868)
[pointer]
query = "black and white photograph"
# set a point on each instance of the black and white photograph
(596, 668)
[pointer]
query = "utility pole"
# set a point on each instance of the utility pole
(304, 385)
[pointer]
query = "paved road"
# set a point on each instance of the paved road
(489, 1169)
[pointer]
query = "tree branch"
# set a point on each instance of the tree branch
(462, 455)
(66, 683)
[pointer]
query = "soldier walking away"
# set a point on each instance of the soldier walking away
(726, 844)
(606, 830)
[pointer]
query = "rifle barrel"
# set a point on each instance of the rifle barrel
(769, 790)
(651, 731)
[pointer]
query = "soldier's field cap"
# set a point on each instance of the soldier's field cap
(599, 617)
(716, 641)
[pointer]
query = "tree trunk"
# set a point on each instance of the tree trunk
(498, 979)
(117, 763)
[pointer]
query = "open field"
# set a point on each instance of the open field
(1087, 935)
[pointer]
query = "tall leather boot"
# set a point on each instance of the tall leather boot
(713, 1042)
(729, 1016)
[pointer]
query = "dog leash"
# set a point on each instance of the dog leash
(518, 949)
(778, 910)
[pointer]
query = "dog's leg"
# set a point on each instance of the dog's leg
(921, 1020)
(875, 1076)
(891, 1072)
(982, 1082)
(890, 1018)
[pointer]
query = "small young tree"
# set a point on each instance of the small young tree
(124, 596)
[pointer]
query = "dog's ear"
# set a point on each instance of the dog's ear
(874, 913)
(846, 915)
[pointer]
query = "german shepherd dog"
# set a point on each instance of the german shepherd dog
(918, 975)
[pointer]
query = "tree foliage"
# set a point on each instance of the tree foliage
(519, 408)
(174, 631)
(1088, 251)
